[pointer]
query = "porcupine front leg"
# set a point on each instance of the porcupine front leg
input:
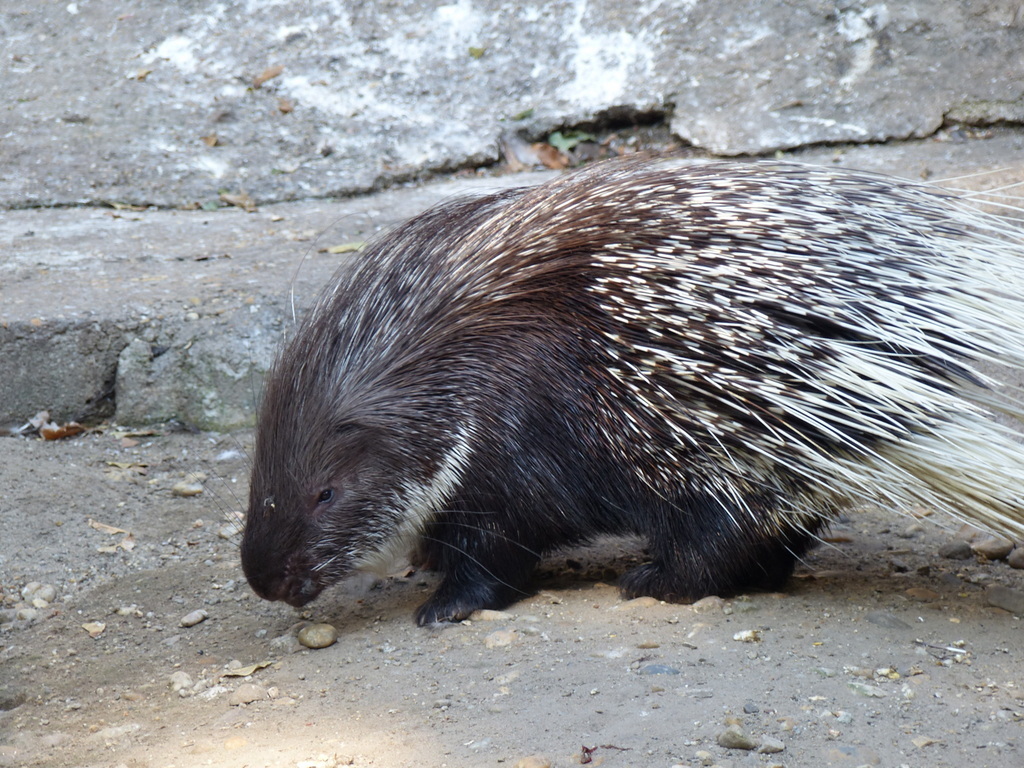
(481, 568)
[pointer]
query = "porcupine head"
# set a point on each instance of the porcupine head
(359, 436)
(337, 478)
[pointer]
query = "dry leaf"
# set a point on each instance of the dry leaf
(210, 140)
(125, 206)
(53, 431)
(550, 156)
(242, 200)
(267, 74)
(140, 468)
(245, 671)
(347, 247)
(104, 528)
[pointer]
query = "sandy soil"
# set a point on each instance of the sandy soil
(880, 652)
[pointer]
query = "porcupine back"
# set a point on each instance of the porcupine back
(716, 356)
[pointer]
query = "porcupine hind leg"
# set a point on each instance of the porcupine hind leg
(482, 568)
(706, 552)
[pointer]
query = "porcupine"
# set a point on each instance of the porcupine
(717, 357)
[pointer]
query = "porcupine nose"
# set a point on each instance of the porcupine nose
(272, 577)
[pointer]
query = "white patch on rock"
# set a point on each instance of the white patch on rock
(604, 66)
(177, 50)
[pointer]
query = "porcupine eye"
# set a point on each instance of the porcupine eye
(326, 496)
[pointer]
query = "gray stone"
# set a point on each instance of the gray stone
(770, 746)
(246, 693)
(192, 618)
(55, 363)
(957, 549)
(734, 737)
(181, 682)
(318, 635)
(1008, 599)
(1016, 558)
(993, 547)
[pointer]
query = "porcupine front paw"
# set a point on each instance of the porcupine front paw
(455, 601)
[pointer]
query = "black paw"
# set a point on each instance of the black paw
(435, 610)
(455, 602)
(652, 580)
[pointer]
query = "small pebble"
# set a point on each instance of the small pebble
(192, 618)
(247, 693)
(922, 594)
(186, 489)
(748, 636)
(35, 591)
(993, 548)
(286, 643)
(533, 761)
(485, 614)
(1016, 558)
(1011, 600)
(181, 681)
(709, 604)
(30, 589)
(910, 531)
(317, 635)
(501, 639)
(787, 724)
(958, 549)
(735, 737)
(871, 691)
(770, 746)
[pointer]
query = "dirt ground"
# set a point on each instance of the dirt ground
(880, 651)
